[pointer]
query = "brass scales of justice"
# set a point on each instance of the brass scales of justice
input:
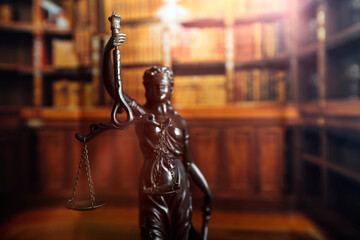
(119, 106)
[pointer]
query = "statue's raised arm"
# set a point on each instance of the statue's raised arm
(109, 78)
(113, 84)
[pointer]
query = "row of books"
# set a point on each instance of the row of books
(63, 54)
(255, 41)
(145, 9)
(71, 94)
(71, 53)
(188, 90)
(143, 44)
(83, 12)
(239, 8)
(18, 53)
(261, 85)
(348, 13)
(83, 46)
(132, 79)
(209, 90)
(258, 41)
(259, 7)
(134, 9)
(198, 44)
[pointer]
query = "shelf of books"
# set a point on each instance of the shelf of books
(329, 80)
(236, 50)
(200, 51)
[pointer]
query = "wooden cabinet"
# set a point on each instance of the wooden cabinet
(240, 146)
(53, 158)
(328, 173)
(241, 158)
(270, 142)
(205, 152)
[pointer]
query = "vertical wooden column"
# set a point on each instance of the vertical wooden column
(321, 36)
(37, 54)
(229, 50)
(293, 50)
(321, 60)
(95, 51)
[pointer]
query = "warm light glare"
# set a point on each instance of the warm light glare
(172, 12)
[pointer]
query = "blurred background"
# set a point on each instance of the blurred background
(270, 90)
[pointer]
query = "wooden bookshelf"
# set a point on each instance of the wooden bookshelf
(15, 67)
(269, 17)
(329, 115)
(343, 37)
(204, 23)
(313, 159)
(17, 27)
(308, 50)
(277, 62)
(198, 68)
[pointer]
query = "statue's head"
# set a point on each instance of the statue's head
(159, 84)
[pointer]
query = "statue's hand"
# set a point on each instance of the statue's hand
(206, 207)
(115, 41)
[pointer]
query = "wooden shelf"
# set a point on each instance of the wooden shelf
(54, 30)
(278, 62)
(246, 111)
(140, 21)
(204, 23)
(332, 166)
(66, 71)
(343, 37)
(311, 108)
(343, 108)
(313, 159)
(18, 67)
(59, 71)
(309, 50)
(21, 27)
(198, 68)
(344, 171)
(140, 65)
(25, 27)
(261, 18)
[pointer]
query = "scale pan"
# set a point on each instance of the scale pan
(84, 205)
(162, 190)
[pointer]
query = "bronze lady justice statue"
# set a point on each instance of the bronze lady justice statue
(164, 189)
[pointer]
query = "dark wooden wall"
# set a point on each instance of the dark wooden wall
(242, 159)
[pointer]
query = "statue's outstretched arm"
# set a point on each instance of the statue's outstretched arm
(108, 74)
(195, 173)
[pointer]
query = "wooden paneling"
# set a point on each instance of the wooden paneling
(240, 149)
(127, 162)
(101, 151)
(240, 159)
(52, 154)
(270, 142)
(204, 145)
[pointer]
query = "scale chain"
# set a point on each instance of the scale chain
(84, 157)
(88, 172)
(84, 152)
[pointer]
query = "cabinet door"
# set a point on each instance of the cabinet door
(127, 163)
(205, 152)
(240, 151)
(270, 140)
(51, 160)
(101, 153)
